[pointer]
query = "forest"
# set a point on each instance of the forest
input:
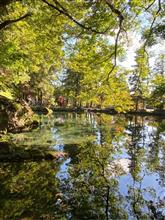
(82, 109)
(71, 54)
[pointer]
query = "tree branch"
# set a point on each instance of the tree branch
(8, 22)
(153, 21)
(105, 60)
(149, 6)
(115, 10)
(107, 203)
(63, 11)
(121, 18)
(159, 6)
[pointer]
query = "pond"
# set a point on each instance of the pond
(113, 169)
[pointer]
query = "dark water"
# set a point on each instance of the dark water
(114, 170)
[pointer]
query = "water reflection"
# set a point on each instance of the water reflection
(114, 170)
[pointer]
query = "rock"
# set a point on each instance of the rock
(55, 155)
(9, 152)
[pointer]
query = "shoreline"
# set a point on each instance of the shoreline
(98, 110)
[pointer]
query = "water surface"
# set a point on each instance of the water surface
(114, 169)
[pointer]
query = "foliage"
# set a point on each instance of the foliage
(41, 40)
(158, 96)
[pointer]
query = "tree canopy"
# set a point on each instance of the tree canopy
(75, 48)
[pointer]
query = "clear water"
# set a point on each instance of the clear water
(114, 169)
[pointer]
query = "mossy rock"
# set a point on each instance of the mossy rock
(8, 153)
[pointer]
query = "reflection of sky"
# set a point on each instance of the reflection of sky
(63, 173)
(150, 180)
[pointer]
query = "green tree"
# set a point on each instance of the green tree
(140, 78)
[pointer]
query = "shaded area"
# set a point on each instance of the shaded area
(114, 169)
(28, 190)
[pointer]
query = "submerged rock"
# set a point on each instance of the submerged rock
(10, 152)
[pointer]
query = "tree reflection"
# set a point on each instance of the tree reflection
(28, 190)
(135, 145)
(90, 192)
(124, 148)
(156, 157)
(144, 201)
